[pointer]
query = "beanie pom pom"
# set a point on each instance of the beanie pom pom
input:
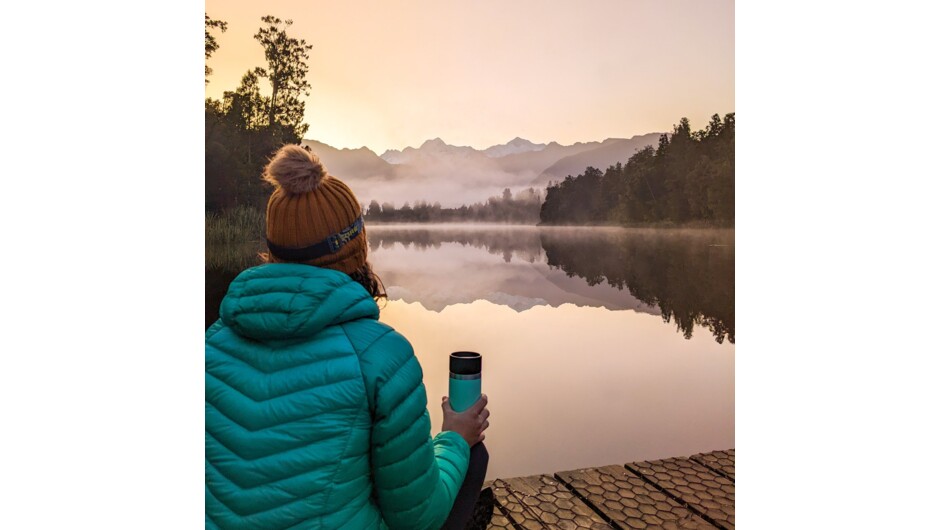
(295, 169)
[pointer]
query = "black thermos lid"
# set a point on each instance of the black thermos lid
(466, 363)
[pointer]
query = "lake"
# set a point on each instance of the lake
(600, 345)
(581, 366)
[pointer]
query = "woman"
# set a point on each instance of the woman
(316, 414)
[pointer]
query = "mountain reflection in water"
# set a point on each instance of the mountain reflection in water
(578, 365)
(686, 276)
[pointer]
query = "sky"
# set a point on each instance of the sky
(386, 75)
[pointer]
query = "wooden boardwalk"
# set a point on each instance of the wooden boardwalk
(674, 493)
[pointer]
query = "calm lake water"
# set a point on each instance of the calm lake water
(600, 345)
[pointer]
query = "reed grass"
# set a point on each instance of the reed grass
(234, 238)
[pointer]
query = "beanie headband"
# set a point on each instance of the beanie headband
(327, 246)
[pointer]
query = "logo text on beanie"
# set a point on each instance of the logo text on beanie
(339, 240)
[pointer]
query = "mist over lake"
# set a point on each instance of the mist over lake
(581, 365)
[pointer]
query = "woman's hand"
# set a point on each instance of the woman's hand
(470, 423)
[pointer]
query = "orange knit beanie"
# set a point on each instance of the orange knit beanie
(312, 217)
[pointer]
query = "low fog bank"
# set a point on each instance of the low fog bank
(451, 193)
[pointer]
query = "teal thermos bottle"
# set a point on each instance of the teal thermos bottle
(465, 369)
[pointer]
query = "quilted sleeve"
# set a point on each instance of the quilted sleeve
(416, 478)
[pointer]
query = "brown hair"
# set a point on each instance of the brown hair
(367, 278)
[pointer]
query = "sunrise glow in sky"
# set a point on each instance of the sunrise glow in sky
(394, 74)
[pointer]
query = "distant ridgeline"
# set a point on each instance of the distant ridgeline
(688, 178)
(521, 209)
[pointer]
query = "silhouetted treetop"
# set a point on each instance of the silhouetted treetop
(211, 44)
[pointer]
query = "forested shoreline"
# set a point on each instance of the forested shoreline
(523, 208)
(687, 180)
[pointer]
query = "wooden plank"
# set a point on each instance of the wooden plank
(721, 462)
(514, 510)
(499, 522)
(707, 493)
(539, 502)
(628, 501)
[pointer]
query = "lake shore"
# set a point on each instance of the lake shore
(705, 225)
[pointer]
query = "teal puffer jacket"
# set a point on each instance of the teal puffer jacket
(316, 414)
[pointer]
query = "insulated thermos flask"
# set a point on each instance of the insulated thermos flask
(464, 390)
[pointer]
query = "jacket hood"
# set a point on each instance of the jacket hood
(289, 300)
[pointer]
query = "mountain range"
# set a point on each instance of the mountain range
(455, 175)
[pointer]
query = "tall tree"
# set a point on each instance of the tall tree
(211, 44)
(245, 109)
(375, 210)
(246, 105)
(287, 72)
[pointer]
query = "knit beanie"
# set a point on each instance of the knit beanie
(312, 217)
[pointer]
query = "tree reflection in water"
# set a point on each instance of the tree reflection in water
(688, 274)
(520, 242)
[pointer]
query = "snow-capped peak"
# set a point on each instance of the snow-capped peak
(514, 146)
